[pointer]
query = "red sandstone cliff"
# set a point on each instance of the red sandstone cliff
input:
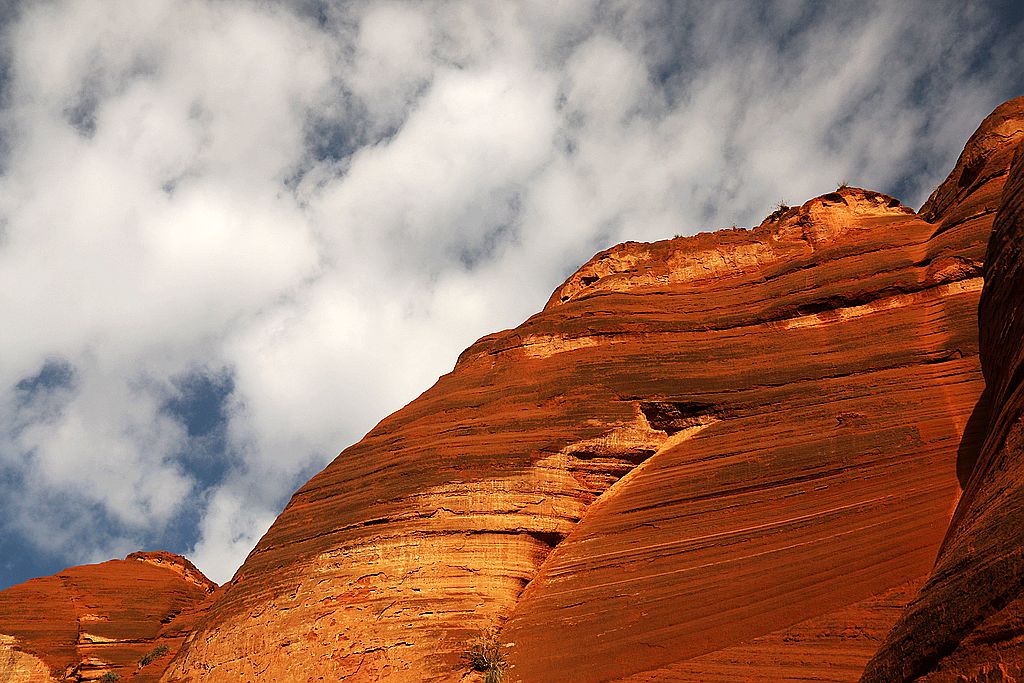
(95, 620)
(725, 457)
(968, 622)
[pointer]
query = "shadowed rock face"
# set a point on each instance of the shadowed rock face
(726, 457)
(968, 622)
(88, 621)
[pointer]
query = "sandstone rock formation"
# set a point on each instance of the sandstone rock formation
(968, 622)
(726, 457)
(90, 621)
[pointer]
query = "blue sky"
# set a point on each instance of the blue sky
(234, 235)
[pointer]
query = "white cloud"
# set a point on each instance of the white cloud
(329, 206)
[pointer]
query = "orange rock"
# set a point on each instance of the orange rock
(87, 621)
(968, 622)
(725, 457)
(828, 647)
(722, 457)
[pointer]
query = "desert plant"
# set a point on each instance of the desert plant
(157, 651)
(485, 655)
(109, 677)
(842, 186)
(780, 209)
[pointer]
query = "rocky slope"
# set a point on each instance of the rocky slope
(96, 620)
(726, 457)
(968, 622)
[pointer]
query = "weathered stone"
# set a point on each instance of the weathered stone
(725, 457)
(968, 622)
(735, 451)
(104, 618)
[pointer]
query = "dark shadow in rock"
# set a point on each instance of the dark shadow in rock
(973, 439)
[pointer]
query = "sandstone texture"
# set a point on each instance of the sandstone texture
(968, 622)
(90, 621)
(725, 457)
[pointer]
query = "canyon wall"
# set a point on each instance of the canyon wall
(968, 622)
(728, 456)
(732, 456)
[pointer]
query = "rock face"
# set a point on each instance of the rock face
(94, 620)
(726, 457)
(968, 622)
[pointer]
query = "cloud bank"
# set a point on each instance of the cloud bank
(235, 235)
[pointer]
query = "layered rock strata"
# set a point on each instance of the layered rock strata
(968, 622)
(101, 620)
(725, 457)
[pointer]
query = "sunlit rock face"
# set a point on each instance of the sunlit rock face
(733, 456)
(725, 457)
(968, 622)
(101, 620)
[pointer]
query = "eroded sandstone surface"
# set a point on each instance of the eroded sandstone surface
(95, 620)
(732, 456)
(968, 622)
(727, 457)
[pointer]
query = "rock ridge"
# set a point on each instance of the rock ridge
(731, 450)
(967, 623)
(732, 456)
(178, 564)
(788, 234)
(99, 620)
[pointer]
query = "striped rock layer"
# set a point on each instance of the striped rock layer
(967, 624)
(725, 457)
(101, 620)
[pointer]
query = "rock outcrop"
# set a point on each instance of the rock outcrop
(968, 622)
(96, 620)
(725, 457)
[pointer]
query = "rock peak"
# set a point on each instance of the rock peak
(789, 232)
(116, 619)
(176, 563)
(987, 154)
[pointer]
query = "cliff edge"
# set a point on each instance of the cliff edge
(732, 456)
(724, 457)
(968, 622)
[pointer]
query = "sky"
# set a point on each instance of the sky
(236, 235)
